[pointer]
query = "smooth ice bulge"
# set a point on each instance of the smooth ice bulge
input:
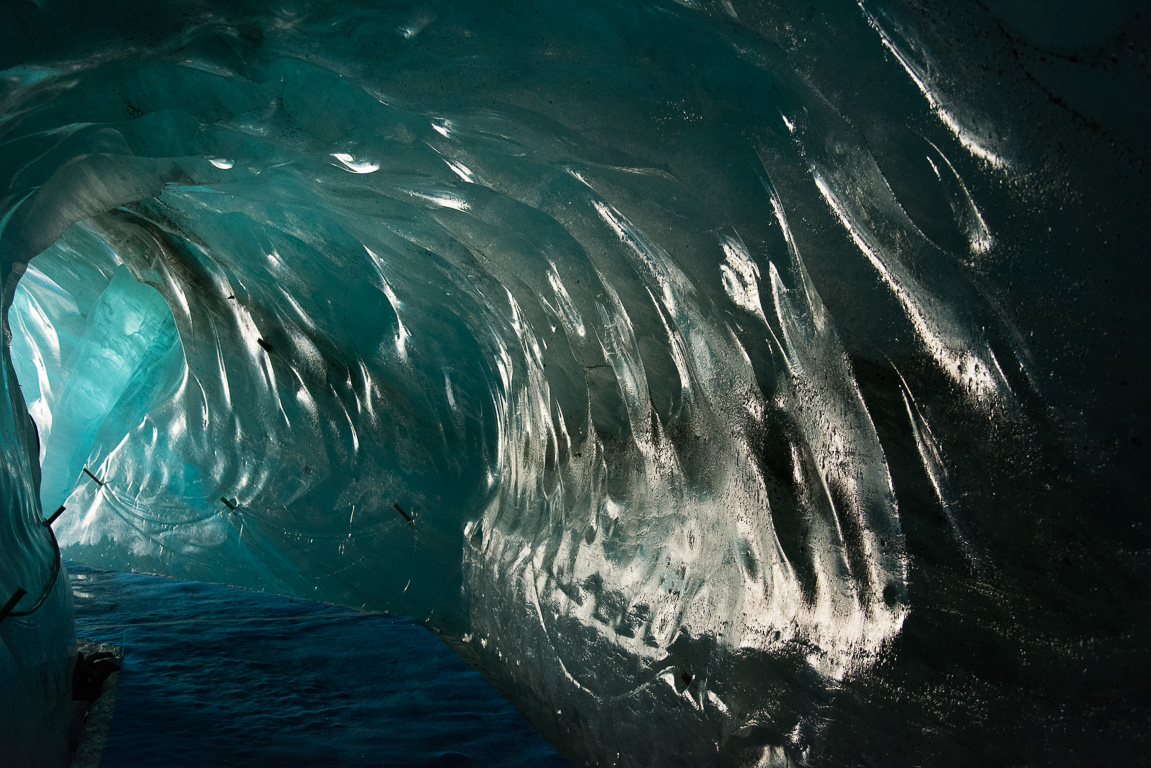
(704, 371)
(127, 333)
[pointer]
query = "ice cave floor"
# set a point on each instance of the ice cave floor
(216, 676)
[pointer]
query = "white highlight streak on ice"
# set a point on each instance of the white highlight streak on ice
(355, 166)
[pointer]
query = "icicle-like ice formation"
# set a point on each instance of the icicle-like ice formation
(705, 371)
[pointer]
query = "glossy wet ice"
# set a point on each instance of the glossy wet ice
(738, 381)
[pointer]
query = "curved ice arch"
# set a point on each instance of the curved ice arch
(570, 394)
(289, 441)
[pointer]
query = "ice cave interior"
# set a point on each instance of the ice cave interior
(738, 382)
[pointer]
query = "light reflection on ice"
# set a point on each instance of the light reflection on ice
(350, 163)
(583, 335)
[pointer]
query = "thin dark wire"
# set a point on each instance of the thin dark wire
(51, 581)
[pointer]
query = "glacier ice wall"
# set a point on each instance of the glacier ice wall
(736, 383)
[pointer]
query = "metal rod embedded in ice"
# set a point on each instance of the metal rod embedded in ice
(55, 515)
(12, 601)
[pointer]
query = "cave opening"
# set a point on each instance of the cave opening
(196, 429)
(105, 375)
(91, 348)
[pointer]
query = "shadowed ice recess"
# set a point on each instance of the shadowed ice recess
(735, 383)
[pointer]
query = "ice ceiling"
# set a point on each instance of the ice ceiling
(736, 383)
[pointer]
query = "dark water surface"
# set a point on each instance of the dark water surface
(218, 676)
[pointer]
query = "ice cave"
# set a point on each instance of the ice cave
(737, 382)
